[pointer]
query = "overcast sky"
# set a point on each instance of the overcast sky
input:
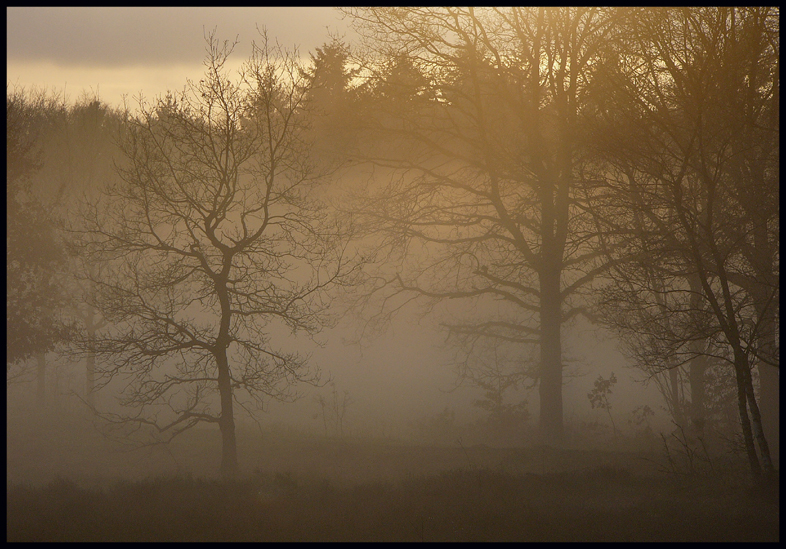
(125, 50)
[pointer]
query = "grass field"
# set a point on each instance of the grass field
(62, 487)
(459, 505)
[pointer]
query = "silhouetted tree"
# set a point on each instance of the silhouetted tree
(695, 80)
(213, 244)
(330, 99)
(485, 161)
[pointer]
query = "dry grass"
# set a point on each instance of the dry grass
(71, 486)
(460, 505)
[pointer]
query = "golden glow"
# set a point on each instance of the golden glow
(110, 84)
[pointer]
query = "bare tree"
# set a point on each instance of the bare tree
(214, 244)
(479, 138)
(695, 79)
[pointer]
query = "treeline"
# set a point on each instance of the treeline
(535, 165)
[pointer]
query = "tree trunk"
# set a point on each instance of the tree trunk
(765, 280)
(697, 366)
(769, 397)
(92, 325)
(229, 464)
(551, 426)
(41, 379)
(674, 394)
(769, 380)
(90, 381)
(54, 400)
(696, 376)
(742, 407)
(756, 425)
(90, 361)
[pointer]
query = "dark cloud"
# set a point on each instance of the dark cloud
(107, 36)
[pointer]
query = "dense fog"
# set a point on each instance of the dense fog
(444, 241)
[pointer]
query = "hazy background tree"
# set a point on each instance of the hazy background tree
(330, 101)
(75, 145)
(80, 164)
(35, 258)
(212, 246)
